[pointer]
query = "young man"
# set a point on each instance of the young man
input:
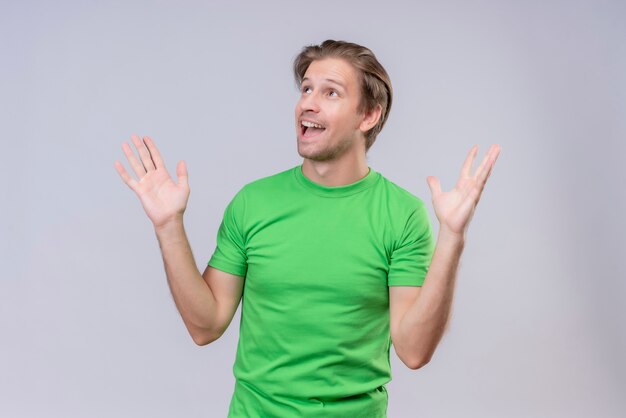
(331, 261)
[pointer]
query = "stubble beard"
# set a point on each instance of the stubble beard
(328, 153)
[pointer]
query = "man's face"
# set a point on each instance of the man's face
(329, 97)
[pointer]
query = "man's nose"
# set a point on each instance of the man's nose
(310, 102)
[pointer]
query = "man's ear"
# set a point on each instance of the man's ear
(370, 119)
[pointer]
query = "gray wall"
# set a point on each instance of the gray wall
(87, 323)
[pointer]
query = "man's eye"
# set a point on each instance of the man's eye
(304, 89)
(333, 91)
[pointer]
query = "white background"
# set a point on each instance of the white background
(87, 324)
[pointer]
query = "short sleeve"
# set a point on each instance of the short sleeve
(411, 258)
(230, 250)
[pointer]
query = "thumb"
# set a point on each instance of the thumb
(181, 172)
(434, 185)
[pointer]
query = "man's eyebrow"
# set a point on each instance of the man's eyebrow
(328, 79)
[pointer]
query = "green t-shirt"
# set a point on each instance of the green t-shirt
(314, 333)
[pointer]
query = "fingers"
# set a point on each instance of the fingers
(147, 163)
(485, 169)
(487, 163)
(130, 182)
(181, 173)
(154, 152)
(483, 163)
(137, 167)
(469, 160)
(492, 162)
(434, 185)
(146, 159)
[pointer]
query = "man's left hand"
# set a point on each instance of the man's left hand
(455, 208)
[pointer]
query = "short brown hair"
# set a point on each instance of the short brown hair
(373, 78)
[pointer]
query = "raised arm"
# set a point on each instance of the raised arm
(206, 302)
(419, 316)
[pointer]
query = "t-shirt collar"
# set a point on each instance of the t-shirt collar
(335, 191)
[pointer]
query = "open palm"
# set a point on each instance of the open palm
(163, 199)
(454, 209)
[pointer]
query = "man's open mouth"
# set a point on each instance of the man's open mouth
(310, 129)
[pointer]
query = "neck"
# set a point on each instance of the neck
(348, 169)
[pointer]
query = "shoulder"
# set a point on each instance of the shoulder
(266, 191)
(406, 211)
(270, 181)
(408, 214)
(268, 185)
(399, 198)
(259, 194)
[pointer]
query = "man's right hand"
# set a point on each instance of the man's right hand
(163, 200)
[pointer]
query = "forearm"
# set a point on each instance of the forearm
(424, 323)
(192, 295)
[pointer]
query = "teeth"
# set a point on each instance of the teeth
(311, 124)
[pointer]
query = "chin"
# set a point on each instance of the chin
(321, 155)
(311, 155)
